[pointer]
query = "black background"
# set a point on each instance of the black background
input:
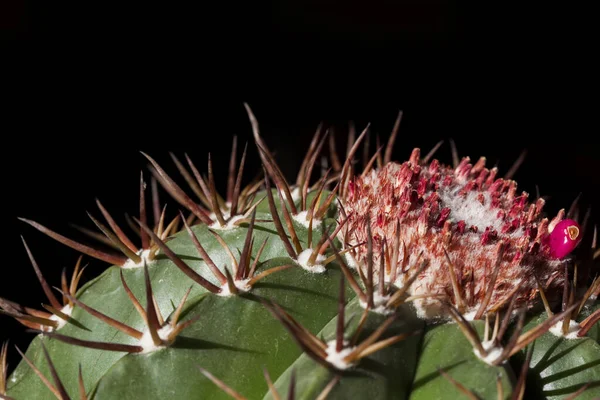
(93, 83)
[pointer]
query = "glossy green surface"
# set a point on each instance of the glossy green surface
(386, 374)
(445, 346)
(560, 366)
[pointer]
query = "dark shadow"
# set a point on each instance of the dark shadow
(188, 258)
(78, 324)
(541, 364)
(269, 285)
(569, 372)
(162, 257)
(349, 319)
(271, 231)
(426, 341)
(259, 299)
(546, 360)
(358, 373)
(433, 375)
(370, 367)
(533, 387)
(191, 304)
(570, 389)
(189, 343)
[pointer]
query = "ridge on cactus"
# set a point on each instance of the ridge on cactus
(400, 280)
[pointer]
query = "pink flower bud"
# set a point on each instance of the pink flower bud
(564, 238)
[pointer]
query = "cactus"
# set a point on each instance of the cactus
(409, 280)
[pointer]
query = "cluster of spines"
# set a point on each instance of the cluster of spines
(350, 351)
(244, 274)
(221, 213)
(407, 186)
(129, 255)
(56, 313)
(3, 370)
(161, 332)
(214, 210)
(414, 187)
(518, 392)
(238, 203)
(572, 305)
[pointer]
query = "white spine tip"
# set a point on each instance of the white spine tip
(303, 219)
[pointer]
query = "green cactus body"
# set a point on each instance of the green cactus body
(288, 322)
(558, 365)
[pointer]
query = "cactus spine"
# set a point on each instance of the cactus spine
(413, 280)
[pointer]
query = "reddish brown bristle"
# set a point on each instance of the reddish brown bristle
(143, 214)
(235, 201)
(277, 221)
(203, 192)
(106, 319)
(178, 193)
(151, 310)
(127, 348)
(468, 393)
(460, 217)
(57, 393)
(51, 297)
(221, 385)
(109, 258)
(116, 229)
(179, 262)
(113, 238)
(204, 255)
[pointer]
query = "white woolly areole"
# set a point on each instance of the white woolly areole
(336, 358)
(145, 257)
(228, 225)
(428, 308)
(470, 315)
(571, 333)
(303, 219)
(147, 343)
(317, 267)
(67, 310)
(379, 303)
(469, 209)
(226, 212)
(493, 352)
(351, 261)
(295, 192)
(242, 286)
